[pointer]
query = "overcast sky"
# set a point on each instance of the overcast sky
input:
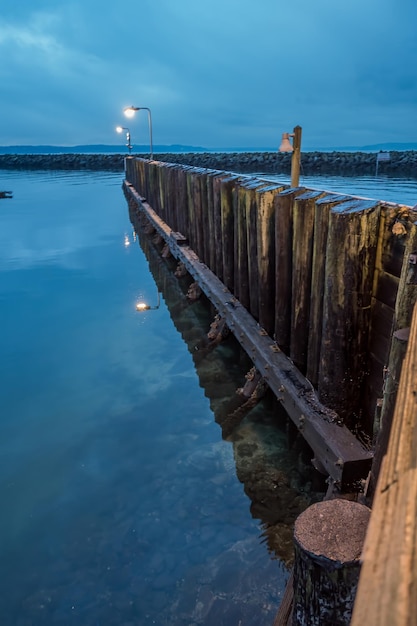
(215, 73)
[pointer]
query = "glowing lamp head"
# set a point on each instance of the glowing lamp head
(129, 112)
(142, 306)
(119, 129)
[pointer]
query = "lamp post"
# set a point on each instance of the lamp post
(295, 148)
(130, 112)
(120, 129)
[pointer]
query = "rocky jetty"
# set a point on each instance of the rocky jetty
(326, 163)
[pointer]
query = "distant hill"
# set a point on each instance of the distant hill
(96, 149)
(178, 148)
(397, 147)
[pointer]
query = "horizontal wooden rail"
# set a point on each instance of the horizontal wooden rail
(335, 447)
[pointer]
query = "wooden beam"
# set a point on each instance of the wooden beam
(335, 447)
(388, 584)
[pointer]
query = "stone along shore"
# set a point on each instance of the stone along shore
(327, 163)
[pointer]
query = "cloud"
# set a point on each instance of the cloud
(214, 74)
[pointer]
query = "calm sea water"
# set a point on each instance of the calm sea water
(122, 502)
(125, 499)
(397, 190)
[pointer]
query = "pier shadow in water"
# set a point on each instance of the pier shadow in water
(270, 459)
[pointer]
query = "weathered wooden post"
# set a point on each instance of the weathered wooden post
(387, 588)
(210, 220)
(284, 204)
(227, 210)
(265, 233)
(349, 276)
(245, 190)
(321, 228)
(328, 541)
(302, 255)
(217, 221)
(404, 306)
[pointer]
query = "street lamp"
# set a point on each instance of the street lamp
(143, 306)
(295, 148)
(120, 129)
(130, 112)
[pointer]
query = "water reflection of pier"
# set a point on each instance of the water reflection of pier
(271, 461)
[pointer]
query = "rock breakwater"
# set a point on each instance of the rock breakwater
(400, 164)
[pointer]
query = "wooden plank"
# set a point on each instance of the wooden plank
(284, 203)
(321, 226)
(302, 254)
(388, 584)
(182, 209)
(205, 231)
(252, 247)
(407, 296)
(246, 189)
(265, 233)
(217, 221)
(337, 449)
(392, 244)
(350, 262)
(213, 249)
(227, 209)
(190, 208)
(386, 289)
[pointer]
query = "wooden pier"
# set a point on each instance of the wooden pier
(317, 287)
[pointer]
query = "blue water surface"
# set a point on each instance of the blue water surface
(123, 502)
(120, 499)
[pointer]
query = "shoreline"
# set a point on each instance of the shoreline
(400, 164)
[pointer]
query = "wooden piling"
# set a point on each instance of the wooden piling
(387, 588)
(265, 231)
(302, 254)
(217, 221)
(228, 201)
(246, 190)
(284, 203)
(349, 271)
(213, 250)
(328, 541)
(406, 299)
(252, 247)
(321, 227)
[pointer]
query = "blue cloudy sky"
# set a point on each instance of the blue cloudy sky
(215, 73)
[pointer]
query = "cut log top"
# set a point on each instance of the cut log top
(333, 530)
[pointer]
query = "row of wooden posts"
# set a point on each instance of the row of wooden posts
(327, 276)
(330, 279)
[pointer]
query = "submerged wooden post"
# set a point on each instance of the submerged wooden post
(328, 541)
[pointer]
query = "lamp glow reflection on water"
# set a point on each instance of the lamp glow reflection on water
(143, 306)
